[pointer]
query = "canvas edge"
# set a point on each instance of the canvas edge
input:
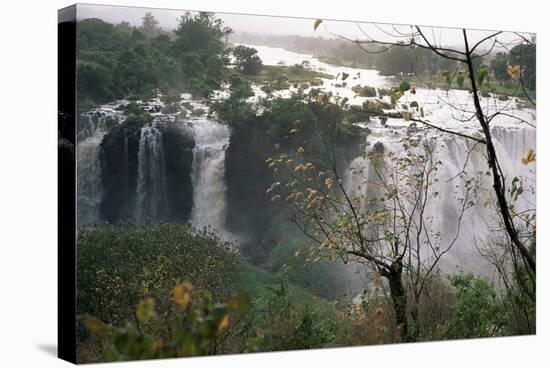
(66, 187)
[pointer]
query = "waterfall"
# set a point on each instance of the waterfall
(211, 141)
(89, 183)
(458, 154)
(151, 185)
(90, 190)
(87, 125)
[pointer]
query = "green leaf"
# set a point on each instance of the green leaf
(345, 76)
(447, 76)
(414, 104)
(404, 86)
(460, 80)
(239, 303)
(395, 94)
(481, 75)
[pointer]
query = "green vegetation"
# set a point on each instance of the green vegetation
(118, 61)
(195, 323)
(477, 311)
(139, 298)
(279, 77)
(165, 289)
(124, 263)
(364, 91)
(247, 60)
(155, 290)
(421, 65)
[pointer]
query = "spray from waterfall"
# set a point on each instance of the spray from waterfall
(460, 160)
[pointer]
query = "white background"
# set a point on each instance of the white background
(28, 139)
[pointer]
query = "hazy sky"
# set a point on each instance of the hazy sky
(284, 26)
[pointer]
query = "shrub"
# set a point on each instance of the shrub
(286, 318)
(477, 312)
(197, 326)
(366, 91)
(121, 264)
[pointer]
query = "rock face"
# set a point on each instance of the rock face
(378, 147)
(247, 178)
(146, 173)
(178, 153)
(119, 171)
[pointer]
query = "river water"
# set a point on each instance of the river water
(452, 109)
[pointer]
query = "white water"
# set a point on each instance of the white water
(451, 109)
(513, 140)
(90, 189)
(208, 173)
(89, 184)
(151, 182)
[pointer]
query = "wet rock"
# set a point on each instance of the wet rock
(378, 148)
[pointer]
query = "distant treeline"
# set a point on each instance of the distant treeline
(120, 61)
(399, 60)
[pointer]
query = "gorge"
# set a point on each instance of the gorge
(188, 166)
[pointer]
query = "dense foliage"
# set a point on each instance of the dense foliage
(124, 263)
(118, 61)
(247, 60)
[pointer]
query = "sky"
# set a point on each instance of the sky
(168, 19)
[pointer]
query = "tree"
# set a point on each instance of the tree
(387, 228)
(199, 32)
(468, 59)
(525, 55)
(149, 25)
(499, 66)
(247, 60)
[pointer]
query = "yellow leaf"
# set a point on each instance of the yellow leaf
(317, 24)
(300, 150)
(513, 70)
(145, 309)
(530, 157)
(93, 324)
(328, 183)
(182, 293)
(224, 323)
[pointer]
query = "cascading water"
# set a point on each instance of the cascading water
(211, 141)
(457, 155)
(89, 179)
(90, 187)
(151, 185)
